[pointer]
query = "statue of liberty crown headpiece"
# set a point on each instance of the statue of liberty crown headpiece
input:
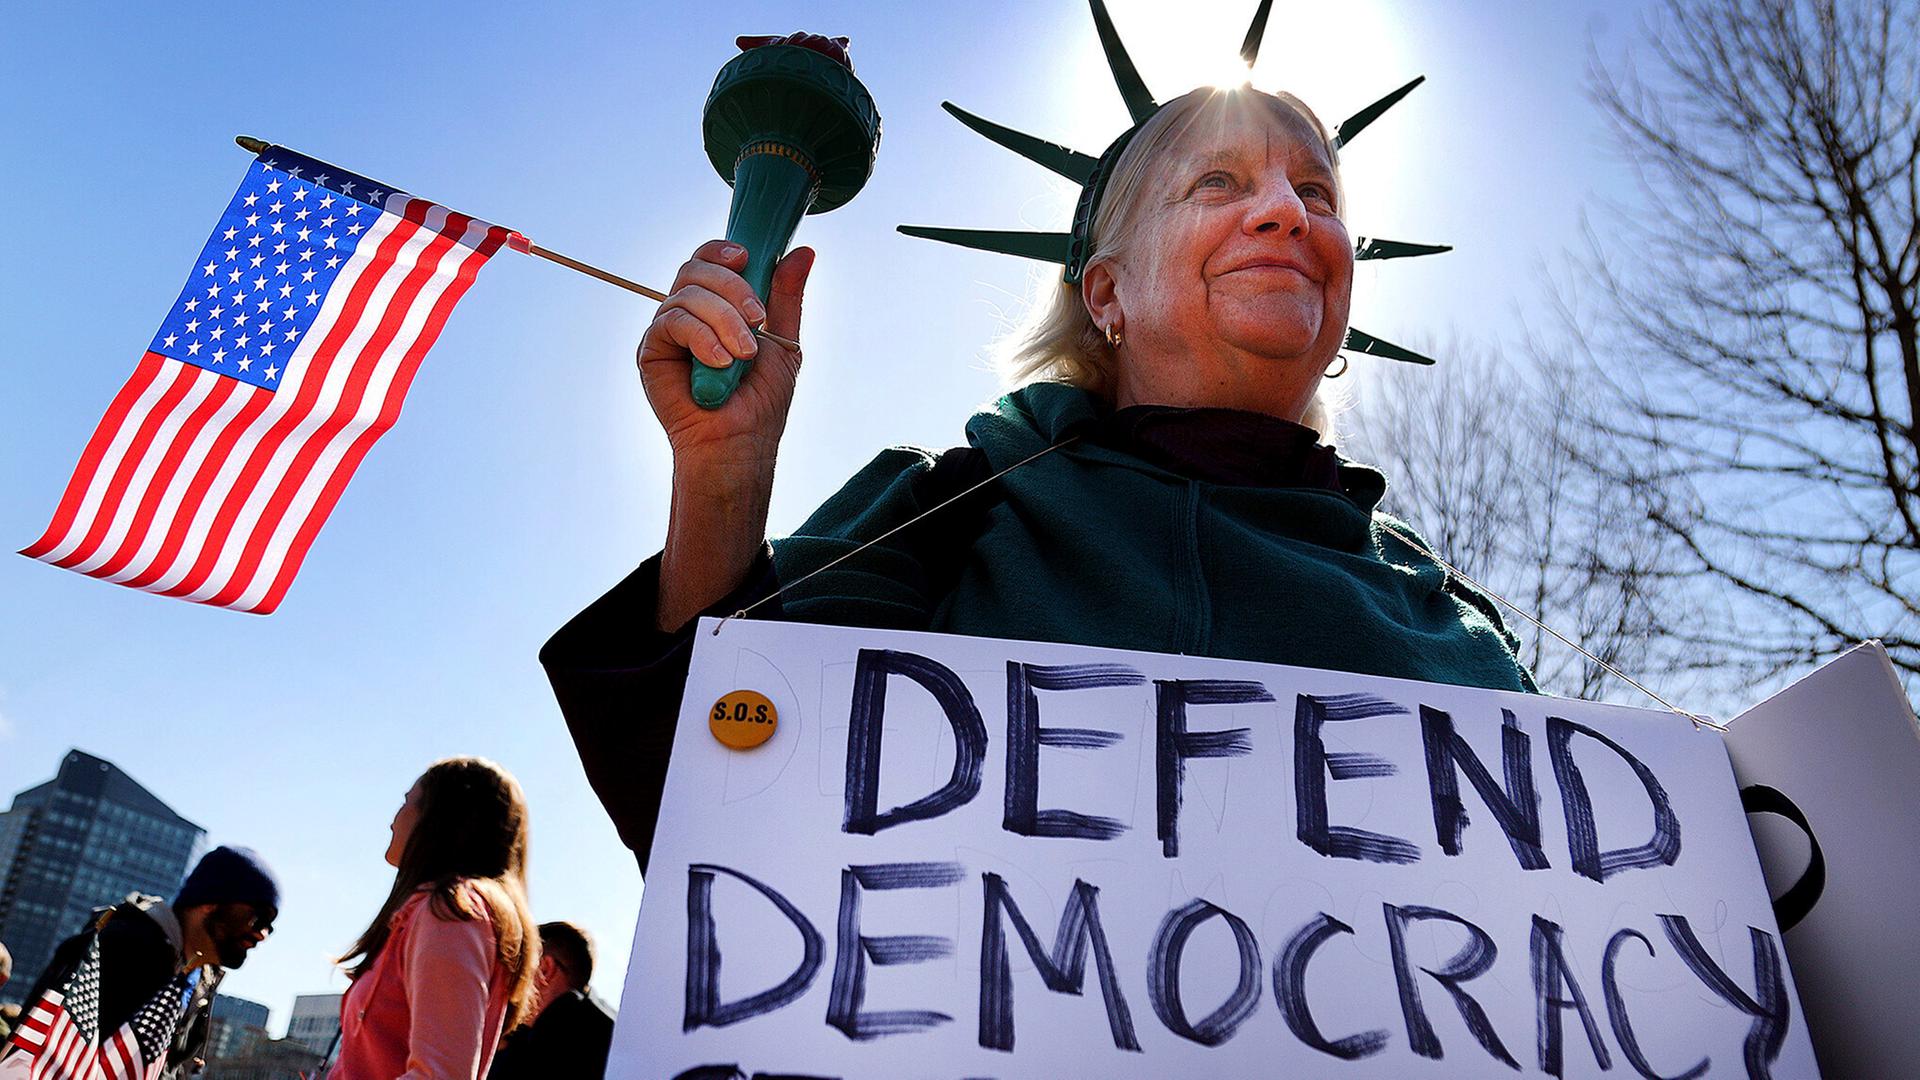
(1072, 249)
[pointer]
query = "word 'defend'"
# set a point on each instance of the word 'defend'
(1507, 787)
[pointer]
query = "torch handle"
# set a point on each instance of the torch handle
(771, 192)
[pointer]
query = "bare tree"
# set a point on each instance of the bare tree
(1755, 312)
(1493, 462)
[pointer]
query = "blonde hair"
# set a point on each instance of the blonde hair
(1060, 342)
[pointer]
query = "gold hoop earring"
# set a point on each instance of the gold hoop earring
(1343, 367)
(1113, 335)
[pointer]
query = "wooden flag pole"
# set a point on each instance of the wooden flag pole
(519, 242)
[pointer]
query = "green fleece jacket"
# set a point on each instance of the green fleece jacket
(1094, 546)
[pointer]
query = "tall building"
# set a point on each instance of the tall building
(238, 1028)
(316, 1021)
(84, 839)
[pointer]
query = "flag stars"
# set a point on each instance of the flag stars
(170, 339)
(216, 312)
(219, 355)
(254, 240)
(259, 283)
(328, 240)
(306, 254)
(277, 206)
(245, 363)
(251, 199)
(254, 263)
(213, 291)
(286, 290)
(300, 214)
(233, 276)
(217, 332)
(240, 320)
(327, 222)
(272, 373)
(277, 226)
(208, 269)
(376, 196)
(266, 348)
(193, 348)
(327, 202)
(313, 297)
(354, 229)
(264, 305)
(229, 234)
(193, 326)
(300, 195)
(231, 253)
(306, 276)
(303, 234)
(289, 315)
(192, 304)
(273, 186)
(253, 220)
(241, 341)
(346, 188)
(353, 209)
(291, 334)
(296, 171)
(282, 267)
(333, 261)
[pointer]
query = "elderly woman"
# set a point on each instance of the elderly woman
(1192, 511)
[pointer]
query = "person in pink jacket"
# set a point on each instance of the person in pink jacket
(448, 964)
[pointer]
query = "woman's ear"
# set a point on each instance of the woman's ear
(1100, 292)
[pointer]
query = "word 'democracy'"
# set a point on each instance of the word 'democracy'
(968, 858)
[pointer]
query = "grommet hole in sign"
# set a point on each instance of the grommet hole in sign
(743, 719)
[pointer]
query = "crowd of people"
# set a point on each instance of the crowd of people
(451, 977)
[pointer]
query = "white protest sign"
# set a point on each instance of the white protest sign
(1836, 757)
(966, 858)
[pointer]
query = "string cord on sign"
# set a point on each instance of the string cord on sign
(1696, 719)
(928, 512)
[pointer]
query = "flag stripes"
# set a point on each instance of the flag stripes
(204, 486)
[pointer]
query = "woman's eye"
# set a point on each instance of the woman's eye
(1213, 180)
(1316, 191)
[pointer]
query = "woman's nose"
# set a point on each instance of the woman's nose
(1278, 208)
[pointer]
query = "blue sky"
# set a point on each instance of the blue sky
(526, 476)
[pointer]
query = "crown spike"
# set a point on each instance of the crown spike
(1372, 248)
(1051, 247)
(1072, 164)
(1133, 90)
(1361, 341)
(1250, 48)
(1356, 123)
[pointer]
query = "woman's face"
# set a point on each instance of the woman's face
(1235, 287)
(404, 821)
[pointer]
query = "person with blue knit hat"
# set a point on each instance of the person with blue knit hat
(225, 907)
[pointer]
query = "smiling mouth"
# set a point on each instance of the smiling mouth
(1270, 268)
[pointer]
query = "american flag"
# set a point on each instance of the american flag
(287, 355)
(61, 1031)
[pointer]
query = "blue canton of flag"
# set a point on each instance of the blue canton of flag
(258, 283)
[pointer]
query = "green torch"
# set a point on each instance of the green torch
(791, 128)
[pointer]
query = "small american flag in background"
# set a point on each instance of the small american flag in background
(61, 1031)
(287, 355)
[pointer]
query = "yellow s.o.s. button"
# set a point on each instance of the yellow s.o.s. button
(743, 719)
